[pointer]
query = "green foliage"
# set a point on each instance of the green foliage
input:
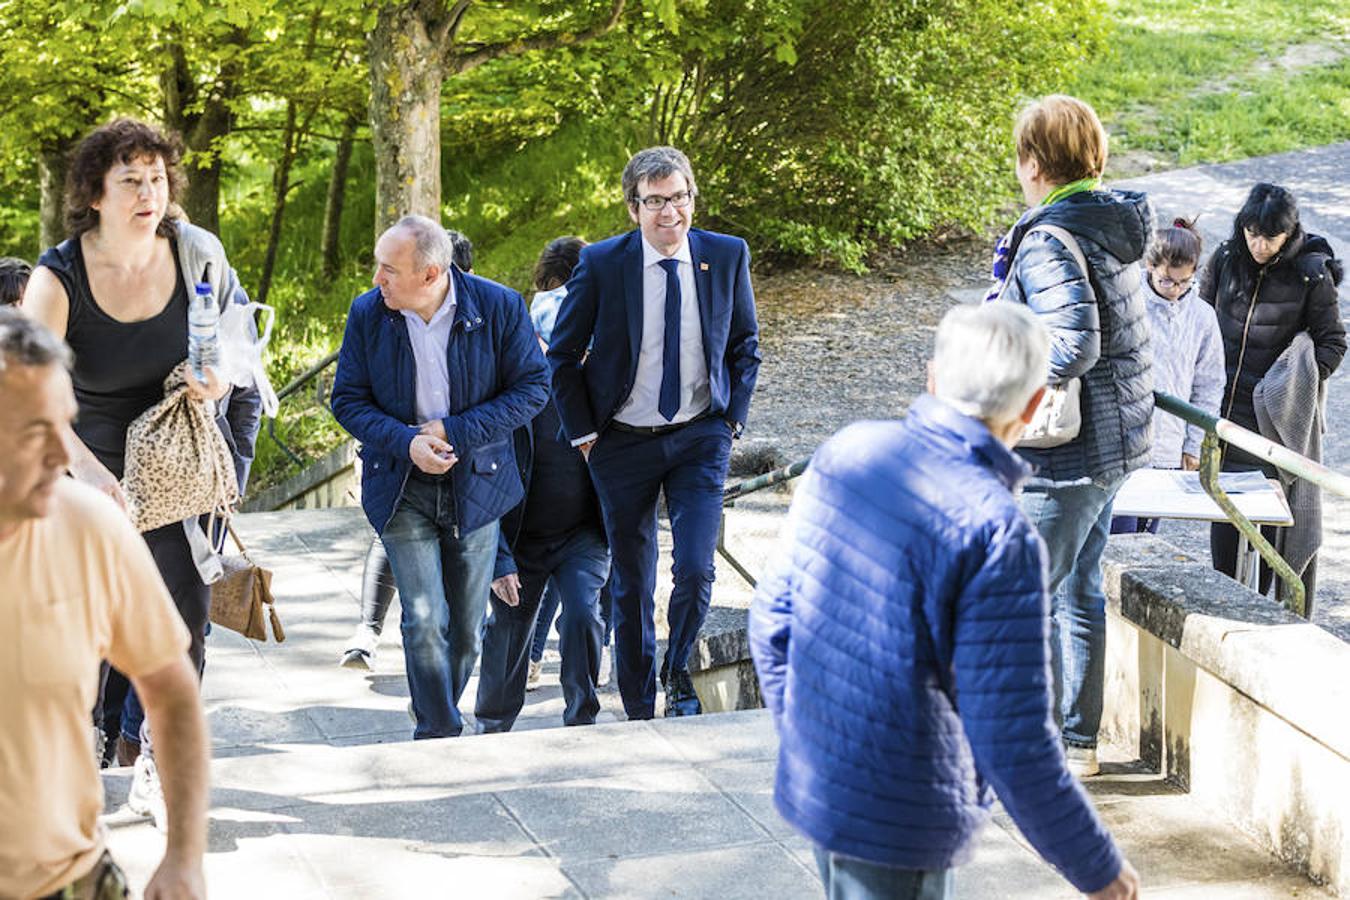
(891, 121)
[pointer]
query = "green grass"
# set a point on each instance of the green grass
(1216, 81)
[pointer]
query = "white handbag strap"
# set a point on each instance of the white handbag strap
(1070, 243)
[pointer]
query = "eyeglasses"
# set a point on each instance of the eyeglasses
(656, 202)
(1167, 283)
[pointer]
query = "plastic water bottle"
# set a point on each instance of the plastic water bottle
(203, 328)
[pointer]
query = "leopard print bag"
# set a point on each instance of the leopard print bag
(177, 462)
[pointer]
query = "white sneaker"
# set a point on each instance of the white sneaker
(1082, 761)
(536, 670)
(360, 652)
(606, 667)
(147, 795)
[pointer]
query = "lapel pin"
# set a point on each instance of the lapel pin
(703, 267)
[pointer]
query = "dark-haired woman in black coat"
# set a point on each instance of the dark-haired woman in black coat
(1268, 282)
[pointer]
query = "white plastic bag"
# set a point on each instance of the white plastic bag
(241, 349)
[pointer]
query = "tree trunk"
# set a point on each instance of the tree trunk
(52, 164)
(281, 186)
(202, 122)
(407, 68)
(337, 197)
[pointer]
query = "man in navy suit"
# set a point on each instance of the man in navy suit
(668, 316)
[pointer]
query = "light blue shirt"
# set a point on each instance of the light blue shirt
(544, 312)
(430, 343)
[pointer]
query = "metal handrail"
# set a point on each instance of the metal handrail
(291, 387)
(1216, 429)
(732, 493)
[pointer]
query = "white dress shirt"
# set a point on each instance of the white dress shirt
(430, 342)
(641, 406)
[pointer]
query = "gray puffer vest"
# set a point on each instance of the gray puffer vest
(1100, 334)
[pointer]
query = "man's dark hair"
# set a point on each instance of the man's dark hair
(461, 249)
(120, 141)
(14, 274)
(653, 164)
(26, 342)
(556, 262)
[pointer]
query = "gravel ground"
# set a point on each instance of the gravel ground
(838, 348)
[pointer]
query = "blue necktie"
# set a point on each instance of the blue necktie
(669, 403)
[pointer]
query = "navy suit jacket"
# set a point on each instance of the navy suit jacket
(604, 305)
(498, 382)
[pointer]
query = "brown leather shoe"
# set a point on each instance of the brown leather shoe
(127, 751)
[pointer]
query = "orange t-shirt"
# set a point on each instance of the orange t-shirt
(76, 587)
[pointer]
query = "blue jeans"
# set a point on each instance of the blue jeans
(574, 569)
(847, 878)
(443, 585)
(548, 608)
(631, 471)
(1074, 520)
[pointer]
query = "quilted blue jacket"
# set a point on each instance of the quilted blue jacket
(901, 641)
(1098, 332)
(498, 381)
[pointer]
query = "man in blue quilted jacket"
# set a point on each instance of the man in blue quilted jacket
(437, 369)
(901, 637)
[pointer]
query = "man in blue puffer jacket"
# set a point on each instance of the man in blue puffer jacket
(900, 637)
(437, 369)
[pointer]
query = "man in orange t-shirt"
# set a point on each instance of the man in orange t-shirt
(77, 585)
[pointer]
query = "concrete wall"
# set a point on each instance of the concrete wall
(332, 481)
(1238, 701)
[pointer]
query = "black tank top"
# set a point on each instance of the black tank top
(119, 366)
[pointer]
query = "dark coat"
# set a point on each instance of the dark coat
(901, 644)
(1099, 334)
(1261, 308)
(602, 312)
(498, 381)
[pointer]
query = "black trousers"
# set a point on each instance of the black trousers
(1223, 538)
(118, 707)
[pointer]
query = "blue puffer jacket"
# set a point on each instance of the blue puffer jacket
(498, 381)
(1105, 342)
(901, 641)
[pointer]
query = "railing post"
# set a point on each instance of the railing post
(1210, 457)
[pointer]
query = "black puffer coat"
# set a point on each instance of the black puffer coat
(1099, 334)
(1261, 308)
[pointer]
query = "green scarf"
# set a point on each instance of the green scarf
(1073, 187)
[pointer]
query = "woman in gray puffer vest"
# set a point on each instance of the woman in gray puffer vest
(1099, 330)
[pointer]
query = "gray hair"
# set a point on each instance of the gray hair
(653, 164)
(989, 359)
(26, 342)
(431, 245)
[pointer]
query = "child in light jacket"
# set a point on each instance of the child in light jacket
(1187, 351)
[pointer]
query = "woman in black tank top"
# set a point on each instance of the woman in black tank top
(115, 292)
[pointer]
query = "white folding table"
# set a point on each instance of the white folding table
(1174, 494)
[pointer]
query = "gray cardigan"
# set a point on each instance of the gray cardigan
(1286, 415)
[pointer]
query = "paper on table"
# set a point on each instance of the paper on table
(1231, 482)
